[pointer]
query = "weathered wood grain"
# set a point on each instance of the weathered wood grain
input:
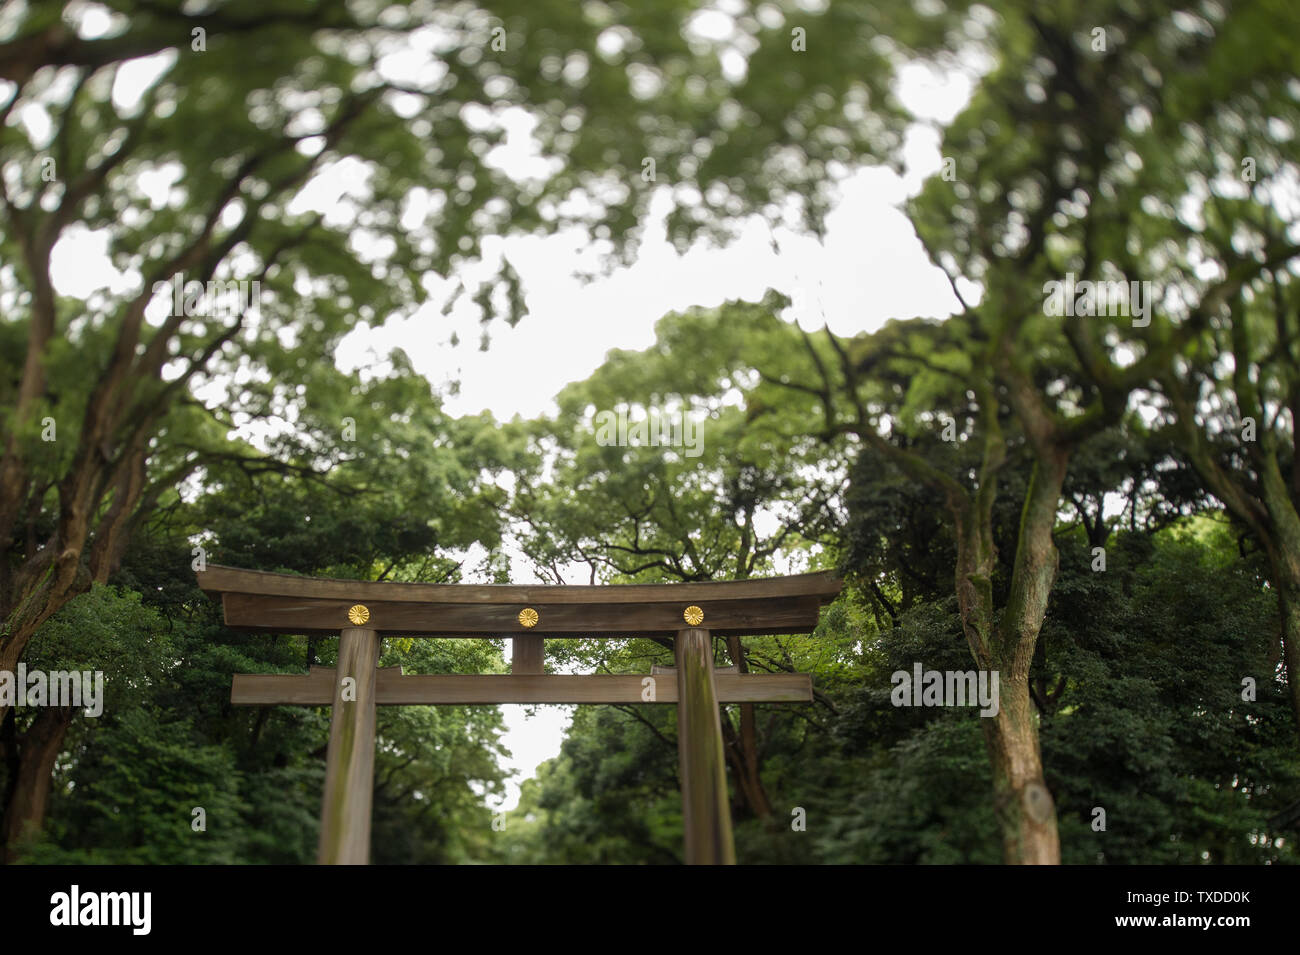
(706, 814)
(218, 579)
(527, 654)
(350, 757)
(283, 614)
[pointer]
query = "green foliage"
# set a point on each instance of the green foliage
(1138, 676)
(611, 797)
(169, 735)
(138, 783)
(1118, 162)
(1153, 727)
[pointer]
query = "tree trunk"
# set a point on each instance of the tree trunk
(1288, 598)
(750, 794)
(38, 748)
(1282, 544)
(1025, 810)
(742, 748)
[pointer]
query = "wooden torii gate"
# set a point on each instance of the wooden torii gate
(362, 612)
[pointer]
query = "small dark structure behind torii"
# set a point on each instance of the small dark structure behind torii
(362, 612)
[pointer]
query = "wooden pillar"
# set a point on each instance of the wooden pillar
(706, 815)
(350, 760)
(526, 654)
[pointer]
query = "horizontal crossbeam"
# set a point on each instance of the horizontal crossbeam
(290, 615)
(218, 579)
(319, 688)
(283, 603)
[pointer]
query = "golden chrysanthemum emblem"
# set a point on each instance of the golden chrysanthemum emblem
(693, 615)
(528, 617)
(358, 614)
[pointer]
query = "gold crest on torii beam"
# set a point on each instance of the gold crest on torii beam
(287, 604)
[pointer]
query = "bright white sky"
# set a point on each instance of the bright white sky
(870, 268)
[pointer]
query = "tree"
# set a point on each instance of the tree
(207, 177)
(658, 475)
(1164, 166)
(1136, 677)
(1232, 403)
(1043, 157)
(234, 279)
(103, 631)
(125, 784)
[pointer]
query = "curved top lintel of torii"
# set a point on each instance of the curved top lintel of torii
(287, 603)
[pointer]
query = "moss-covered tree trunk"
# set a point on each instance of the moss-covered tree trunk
(1025, 809)
(1023, 804)
(1280, 535)
(1282, 542)
(29, 797)
(1289, 599)
(1284, 574)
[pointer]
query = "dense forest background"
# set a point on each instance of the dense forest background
(1105, 510)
